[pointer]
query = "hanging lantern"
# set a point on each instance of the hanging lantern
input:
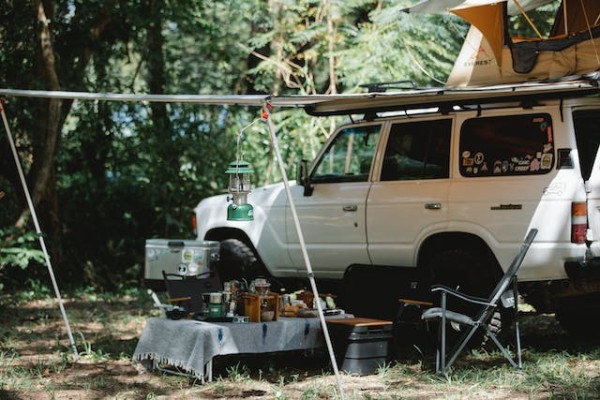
(239, 187)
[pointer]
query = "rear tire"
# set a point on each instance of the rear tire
(470, 272)
(464, 270)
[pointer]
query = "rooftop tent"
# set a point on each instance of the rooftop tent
(579, 15)
(491, 56)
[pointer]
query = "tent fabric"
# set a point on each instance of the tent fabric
(524, 54)
(490, 56)
(578, 18)
(476, 64)
(489, 19)
(446, 6)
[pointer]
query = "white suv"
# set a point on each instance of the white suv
(437, 187)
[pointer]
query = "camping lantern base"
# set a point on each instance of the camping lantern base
(242, 212)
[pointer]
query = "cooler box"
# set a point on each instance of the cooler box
(182, 257)
(360, 344)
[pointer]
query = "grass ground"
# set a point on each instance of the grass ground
(36, 362)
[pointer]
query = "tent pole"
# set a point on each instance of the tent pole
(38, 230)
(565, 16)
(267, 116)
(587, 23)
(524, 13)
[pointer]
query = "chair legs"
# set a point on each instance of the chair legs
(442, 365)
(518, 340)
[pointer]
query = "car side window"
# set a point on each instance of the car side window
(507, 145)
(349, 157)
(417, 150)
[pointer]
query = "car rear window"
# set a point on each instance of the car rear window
(507, 145)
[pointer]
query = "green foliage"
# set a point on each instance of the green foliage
(17, 249)
(539, 20)
(125, 172)
(397, 46)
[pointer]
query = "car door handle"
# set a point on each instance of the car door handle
(350, 207)
(433, 206)
(507, 207)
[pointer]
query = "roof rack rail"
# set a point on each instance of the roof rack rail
(526, 93)
(380, 87)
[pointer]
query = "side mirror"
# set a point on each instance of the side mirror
(302, 177)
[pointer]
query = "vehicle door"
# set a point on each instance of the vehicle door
(332, 217)
(515, 172)
(409, 200)
(587, 134)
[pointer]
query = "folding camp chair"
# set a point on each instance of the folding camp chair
(504, 294)
(187, 291)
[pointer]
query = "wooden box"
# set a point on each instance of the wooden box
(253, 306)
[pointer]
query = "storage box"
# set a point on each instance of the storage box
(360, 344)
(253, 306)
(182, 257)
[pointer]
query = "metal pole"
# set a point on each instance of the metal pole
(310, 274)
(38, 231)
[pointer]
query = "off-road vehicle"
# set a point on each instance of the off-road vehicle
(437, 186)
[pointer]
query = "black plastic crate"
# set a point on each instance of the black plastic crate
(361, 345)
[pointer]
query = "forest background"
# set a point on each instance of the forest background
(106, 176)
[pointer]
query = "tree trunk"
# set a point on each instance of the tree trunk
(161, 125)
(52, 114)
(331, 34)
(43, 174)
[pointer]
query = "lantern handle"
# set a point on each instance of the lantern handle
(239, 140)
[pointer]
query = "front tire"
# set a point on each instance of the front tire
(237, 260)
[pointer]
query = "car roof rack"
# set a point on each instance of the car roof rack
(382, 87)
(448, 98)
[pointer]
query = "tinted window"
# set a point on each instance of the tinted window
(417, 150)
(349, 156)
(511, 145)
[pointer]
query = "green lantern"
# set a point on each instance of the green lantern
(239, 187)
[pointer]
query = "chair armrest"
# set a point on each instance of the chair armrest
(462, 296)
(178, 299)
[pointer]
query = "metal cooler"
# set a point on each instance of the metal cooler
(182, 257)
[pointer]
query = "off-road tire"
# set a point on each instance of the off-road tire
(462, 269)
(237, 260)
(470, 272)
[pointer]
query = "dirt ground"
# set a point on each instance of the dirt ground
(36, 363)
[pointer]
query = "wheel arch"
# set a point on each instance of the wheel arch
(220, 234)
(455, 240)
